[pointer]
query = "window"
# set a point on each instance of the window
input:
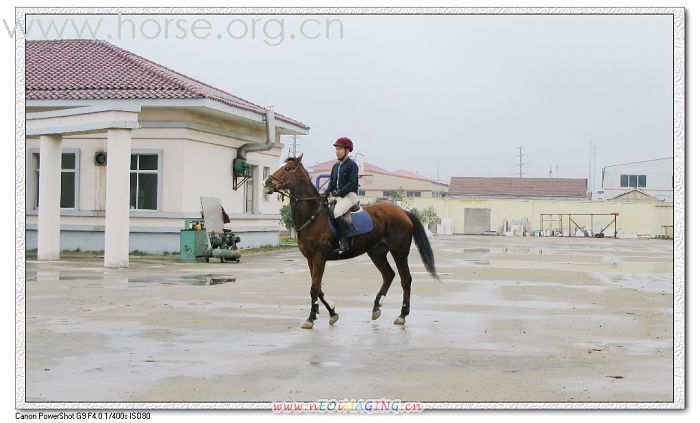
(250, 191)
(266, 174)
(633, 181)
(144, 182)
(413, 194)
(35, 165)
(388, 193)
(69, 179)
(361, 193)
(642, 181)
(624, 181)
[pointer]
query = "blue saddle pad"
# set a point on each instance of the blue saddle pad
(361, 224)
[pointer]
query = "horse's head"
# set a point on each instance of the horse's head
(289, 175)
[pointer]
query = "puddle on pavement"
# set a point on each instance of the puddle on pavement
(326, 363)
(504, 250)
(628, 267)
(477, 250)
(197, 280)
(53, 276)
(477, 262)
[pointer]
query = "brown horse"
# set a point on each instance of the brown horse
(392, 231)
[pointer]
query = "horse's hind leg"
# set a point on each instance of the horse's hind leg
(329, 307)
(405, 274)
(378, 256)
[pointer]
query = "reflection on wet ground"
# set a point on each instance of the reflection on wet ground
(196, 280)
(510, 320)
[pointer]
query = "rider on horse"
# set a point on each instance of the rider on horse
(343, 186)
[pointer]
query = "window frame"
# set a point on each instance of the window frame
(265, 175)
(32, 182)
(639, 185)
(251, 183)
(626, 184)
(158, 172)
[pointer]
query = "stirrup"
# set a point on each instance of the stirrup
(340, 249)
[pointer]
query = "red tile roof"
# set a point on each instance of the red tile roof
(329, 165)
(97, 70)
(518, 187)
(409, 174)
(369, 167)
(318, 167)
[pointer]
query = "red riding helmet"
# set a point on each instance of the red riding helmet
(344, 142)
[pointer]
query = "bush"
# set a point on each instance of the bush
(286, 217)
(401, 199)
(429, 216)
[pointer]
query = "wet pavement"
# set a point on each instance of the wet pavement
(512, 319)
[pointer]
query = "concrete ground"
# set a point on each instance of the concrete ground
(513, 319)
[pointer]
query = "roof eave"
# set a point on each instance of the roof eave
(287, 128)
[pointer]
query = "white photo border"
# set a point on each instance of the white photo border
(679, 270)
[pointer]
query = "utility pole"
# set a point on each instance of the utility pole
(520, 163)
(590, 159)
(293, 150)
(595, 154)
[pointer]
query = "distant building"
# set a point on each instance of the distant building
(530, 188)
(652, 177)
(636, 196)
(376, 182)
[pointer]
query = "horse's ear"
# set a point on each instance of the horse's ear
(300, 157)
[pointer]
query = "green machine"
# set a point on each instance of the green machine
(193, 241)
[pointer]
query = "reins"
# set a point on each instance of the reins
(281, 190)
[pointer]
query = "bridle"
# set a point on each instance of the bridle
(284, 190)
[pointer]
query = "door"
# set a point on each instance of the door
(476, 221)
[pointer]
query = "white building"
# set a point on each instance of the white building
(652, 177)
(168, 140)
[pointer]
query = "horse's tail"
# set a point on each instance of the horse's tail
(423, 244)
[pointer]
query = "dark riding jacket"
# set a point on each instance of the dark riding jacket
(344, 176)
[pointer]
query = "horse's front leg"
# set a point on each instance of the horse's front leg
(317, 265)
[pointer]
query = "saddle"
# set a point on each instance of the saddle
(358, 220)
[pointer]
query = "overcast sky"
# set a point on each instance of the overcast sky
(458, 92)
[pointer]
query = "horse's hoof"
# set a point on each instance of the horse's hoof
(376, 314)
(307, 325)
(399, 321)
(333, 319)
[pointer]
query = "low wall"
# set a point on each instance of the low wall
(635, 218)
